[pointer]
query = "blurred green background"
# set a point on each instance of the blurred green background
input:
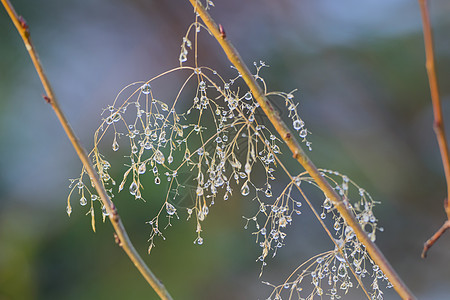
(359, 68)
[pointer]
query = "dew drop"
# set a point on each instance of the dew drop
(142, 168)
(104, 211)
(245, 190)
(327, 203)
(248, 168)
(157, 180)
(115, 145)
(200, 241)
(83, 201)
(116, 117)
(297, 124)
(146, 89)
(133, 188)
(134, 149)
(159, 157)
(171, 210)
(303, 133)
(205, 210)
(199, 191)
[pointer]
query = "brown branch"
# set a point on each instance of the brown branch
(298, 152)
(120, 233)
(428, 244)
(438, 126)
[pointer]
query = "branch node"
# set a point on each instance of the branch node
(115, 214)
(24, 26)
(222, 32)
(47, 98)
(117, 240)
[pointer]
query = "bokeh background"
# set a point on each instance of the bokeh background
(359, 68)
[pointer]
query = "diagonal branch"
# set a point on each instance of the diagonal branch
(298, 152)
(121, 235)
(438, 125)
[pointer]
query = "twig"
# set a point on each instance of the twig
(120, 233)
(298, 152)
(428, 244)
(438, 125)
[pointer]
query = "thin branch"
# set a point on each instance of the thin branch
(121, 235)
(298, 152)
(439, 128)
(428, 244)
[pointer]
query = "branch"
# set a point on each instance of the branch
(428, 244)
(121, 235)
(298, 152)
(438, 125)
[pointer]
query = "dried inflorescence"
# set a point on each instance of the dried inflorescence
(219, 139)
(222, 142)
(333, 273)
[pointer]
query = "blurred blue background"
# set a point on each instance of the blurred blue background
(363, 92)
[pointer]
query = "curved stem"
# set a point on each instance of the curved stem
(121, 235)
(437, 112)
(298, 152)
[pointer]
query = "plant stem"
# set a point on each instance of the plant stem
(439, 128)
(120, 232)
(298, 152)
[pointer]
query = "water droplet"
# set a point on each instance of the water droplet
(327, 203)
(116, 117)
(248, 96)
(83, 201)
(159, 157)
(109, 120)
(170, 159)
(245, 190)
(297, 124)
(199, 191)
(171, 210)
(134, 149)
(303, 133)
(200, 241)
(69, 210)
(157, 180)
(133, 188)
(205, 210)
(115, 145)
(323, 216)
(104, 211)
(337, 225)
(248, 168)
(146, 89)
(142, 168)
(268, 193)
